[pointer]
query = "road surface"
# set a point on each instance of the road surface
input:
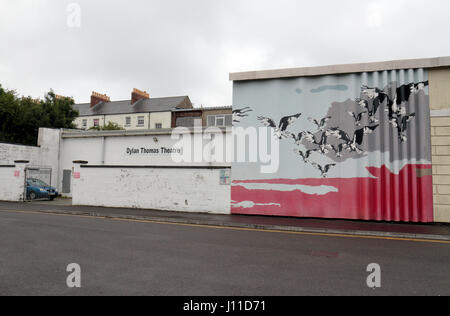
(126, 257)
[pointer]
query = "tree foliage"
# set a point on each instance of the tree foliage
(111, 126)
(21, 117)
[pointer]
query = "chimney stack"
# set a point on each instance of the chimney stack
(137, 95)
(97, 98)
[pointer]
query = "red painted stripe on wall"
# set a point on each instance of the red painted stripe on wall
(403, 197)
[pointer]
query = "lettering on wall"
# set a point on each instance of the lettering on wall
(154, 151)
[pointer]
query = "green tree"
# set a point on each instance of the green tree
(108, 127)
(21, 117)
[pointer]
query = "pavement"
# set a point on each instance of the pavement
(131, 257)
(440, 232)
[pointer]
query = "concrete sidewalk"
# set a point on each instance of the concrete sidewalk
(439, 232)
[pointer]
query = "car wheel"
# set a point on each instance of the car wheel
(33, 196)
(51, 198)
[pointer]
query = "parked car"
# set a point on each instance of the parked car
(37, 189)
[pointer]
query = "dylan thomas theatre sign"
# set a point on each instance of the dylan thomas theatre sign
(154, 151)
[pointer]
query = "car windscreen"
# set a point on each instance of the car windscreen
(37, 182)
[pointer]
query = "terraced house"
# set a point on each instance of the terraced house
(141, 112)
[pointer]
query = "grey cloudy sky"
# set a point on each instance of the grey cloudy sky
(188, 47)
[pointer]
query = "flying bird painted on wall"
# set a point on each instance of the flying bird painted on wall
(239, 114)
(371, 110)
(323, 169)
(298, 138)
(285, 122)
(357, 140)
(305, 155)
(357, 117)
(401, 123)
(350, 143)
(321, 125)
(338, 149)
(404, 92)
(323, 145)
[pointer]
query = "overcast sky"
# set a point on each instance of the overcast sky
(189, 47)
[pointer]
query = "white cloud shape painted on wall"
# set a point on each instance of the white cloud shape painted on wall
(317, 190)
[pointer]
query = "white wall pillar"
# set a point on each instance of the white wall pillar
(19, 179)
(76, 181)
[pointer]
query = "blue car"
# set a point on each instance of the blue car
(37, 189)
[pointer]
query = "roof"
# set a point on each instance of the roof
(205, 109)
(437, 62)
(75, 133)
(125, 107)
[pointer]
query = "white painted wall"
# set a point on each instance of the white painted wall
(9, 153)
(185, 190)
(189, 190)
(12, 183)
(78, 122)
(49, 145)
(164, 118)
(150, 119)
(120, 119)
(59, 152)
(114, 150)
(46, 154)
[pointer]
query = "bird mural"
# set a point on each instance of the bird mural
(350, 143)
(339, 134)
(358, 138)
(338, 149)
(357, 117)
(298, 138)
(370, 129)
(305, 155)
(343, 140)
(401, 123)
(320, 124)
(323, 169)
(365, 140)
(371, 93)
(404, 92)
(324, 147)
(395, 106)
(371, 110)
(281, 130)
(239, 114)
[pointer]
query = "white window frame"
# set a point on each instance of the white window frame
(96, 121)
(158, 124)
(128, 124)
(139, 118)
(84, 123)
(218, 117)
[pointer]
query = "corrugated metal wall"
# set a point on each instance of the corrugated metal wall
(356, 146)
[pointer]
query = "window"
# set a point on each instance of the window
(188, 121)
(96, 122)
(128, 121)
(140, 121)
(220, 120)
(158, 125)
(84, 124)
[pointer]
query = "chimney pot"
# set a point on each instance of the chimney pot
(137, 95)
(97, 98)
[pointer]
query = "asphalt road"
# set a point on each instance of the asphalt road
(119, 257)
